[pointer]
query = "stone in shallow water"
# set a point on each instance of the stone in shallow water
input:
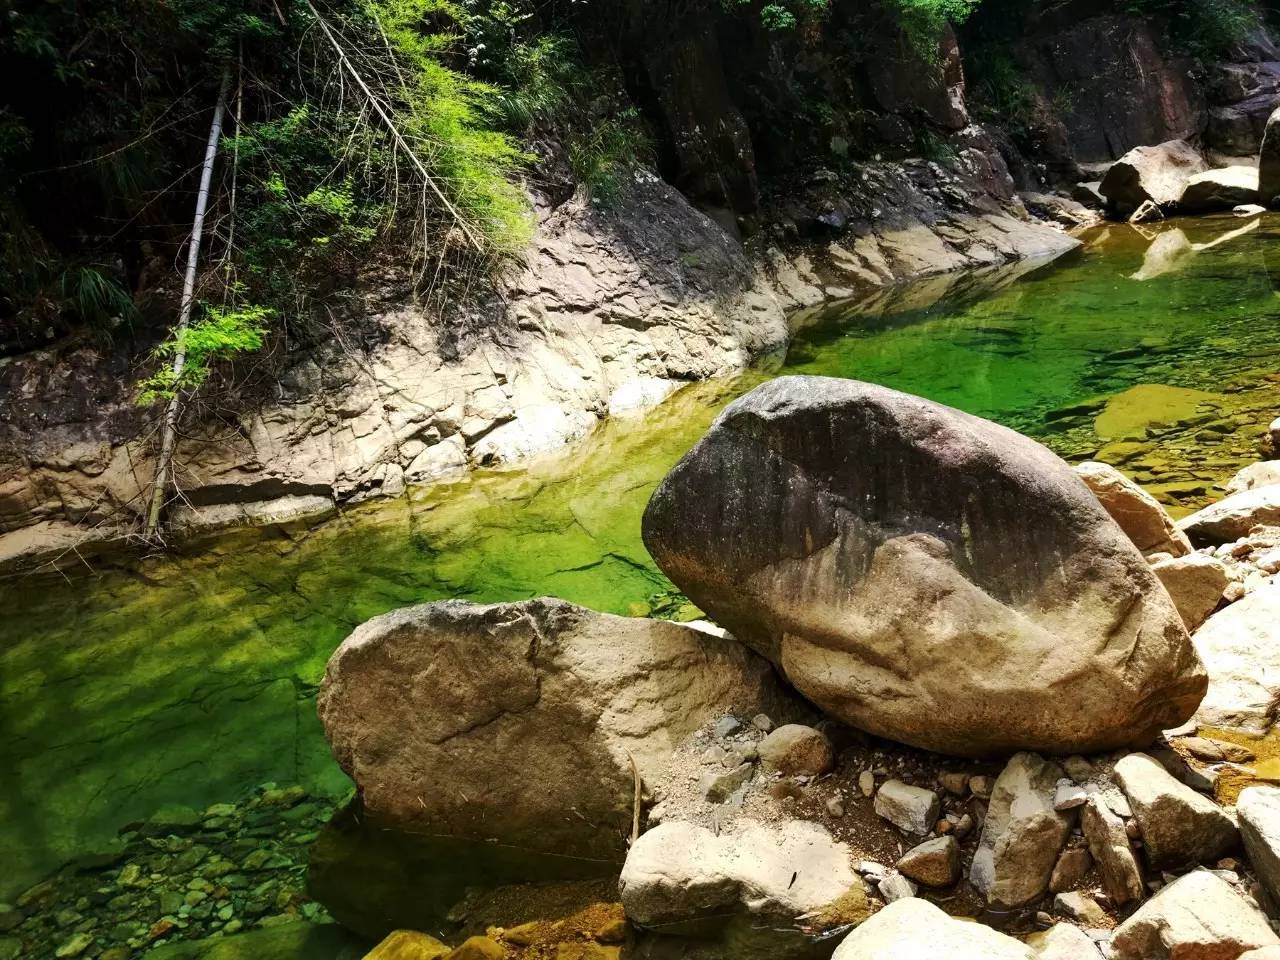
(1130, 413)
(923, 574)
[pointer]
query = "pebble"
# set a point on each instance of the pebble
(867, 783)
(1069, 795)
(835, 807)
(981, 787)
(762, 722)
(77, 945)
(896, 887)
(727, 727)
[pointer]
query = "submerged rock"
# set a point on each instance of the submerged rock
(913, 929)
(1157, 174)
(923, 574)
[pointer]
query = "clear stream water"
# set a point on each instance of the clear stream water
(190, 679)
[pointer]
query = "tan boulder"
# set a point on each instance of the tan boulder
(923, 574)
(1158, 174)
(1139, 514)
(1222, 189)
(1195, 584)
(1240, 646)
(914, 929)
(1180, 827)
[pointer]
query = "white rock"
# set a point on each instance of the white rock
(1197, 917)
(681, 871)
(1259, 812)
(1069, 795)
(1063, 941)
(896, 887)
(1180, 828)
(1195, 583)
(1264, 474)
(1234, 517)
(911, 809)
(1240, 647)
(912, 929)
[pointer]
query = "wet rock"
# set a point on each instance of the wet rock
(431, 694)
(408, 945)
(934, 863)
(1222, 189)
(1233, 518)
(794, 749)
(1139, 514)
(10, 917)
(912, 810)
(1240, 646)
(855, 600)
(1215, 751)
(1195, 584)
(1157, 174)
(1180, 828)
(1110, 849)
(1063, 941)
(1259, 812)
(913, 929)
(682, 872)
(1073, 863)
(1023, 834)
(1197, 917)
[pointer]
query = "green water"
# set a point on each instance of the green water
(187, 680)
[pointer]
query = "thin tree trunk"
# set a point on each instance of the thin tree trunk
(169, 430)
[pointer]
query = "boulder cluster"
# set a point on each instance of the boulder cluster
(962, 680)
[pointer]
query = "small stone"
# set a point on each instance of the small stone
(896, 887)
(411, 945)
(794, 749)
(1079, 769)
(875, 872)
(39, 896)
(964, 827)
(612, 930)
(718, 787)
(981, 787)
(762, 722)
(283, 797)
(912, 810)
(1079, 907)
(727, 727)
(867, 783)
(956, 784)
(1072, 866)
(934, 863)
(171, 818)
(835, 807)
(78, 944)
(1069, 795)
(1109, 847)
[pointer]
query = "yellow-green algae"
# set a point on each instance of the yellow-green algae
(187, 679)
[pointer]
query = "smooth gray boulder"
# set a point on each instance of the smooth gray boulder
(1240, 646)
(1023, 834)
(1259, 812)
(485, 722)
(1180, 828)
(914, 929)
(1233, 518)
(1197, 917)
(923, 574)
(1222, 189)
(1157, 174)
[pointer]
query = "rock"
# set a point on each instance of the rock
(283, 941)
(1259, 812)
(1180, 828)
(478, 948)
(1080, 907)
(1264, 474)
(172, 818)
(1222, 189)
(717, 786)
(431, 695)
(1215, 751)
(1248, 210)
(1233, 518)
(1240, 646)
(1269, 160)
(1273, 432)
(934, 863)
(1197, 917)
(1195, 584)
(1262, 953)
(1079, 769)
(408, 945)
(913, 929)
(1062, 941)
(867, 783)
(10, 917)
(851, 573)
(896, 887)
(981, 786)
(1157, 174)
(1069, 795)
(727, 727)
(1110, 850)
(955, 783)
(1073, 863)
(679, 871)
(794, 749)
(912, 810)
(1139, 514)
(1089, 195)
(1023, 834)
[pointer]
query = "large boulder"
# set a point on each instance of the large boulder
(517, 723)
(1233, 518)
(1197, 917)
(1269, 160)
(680, 872)
(1259, 810)
(1241, 650)
(1138, 513)
(914, 929)
(1180, 828)
(1222, 189)
(1157, 174)
(923, 574)
(1023, 833)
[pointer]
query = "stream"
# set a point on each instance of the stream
(190, 679)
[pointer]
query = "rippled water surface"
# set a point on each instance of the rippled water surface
(191, 679)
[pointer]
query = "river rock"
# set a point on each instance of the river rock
(913, 929)
(1222, 189)
(1111, 851)
(486, 722)
(1023, 833)
(1195, 584)
(1264, 474)
(796, 749)
(1234, 517)
(1139, 514)
(408, 945)
(1240, 646)
(1197, 917)
(682, 872)
(1073, 863)
(1158, 174)
(934, 863)
(1269, 160)
(1063, 941)
(923, 574)
(1180, 828)
(913, 810)
(1259, 812)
